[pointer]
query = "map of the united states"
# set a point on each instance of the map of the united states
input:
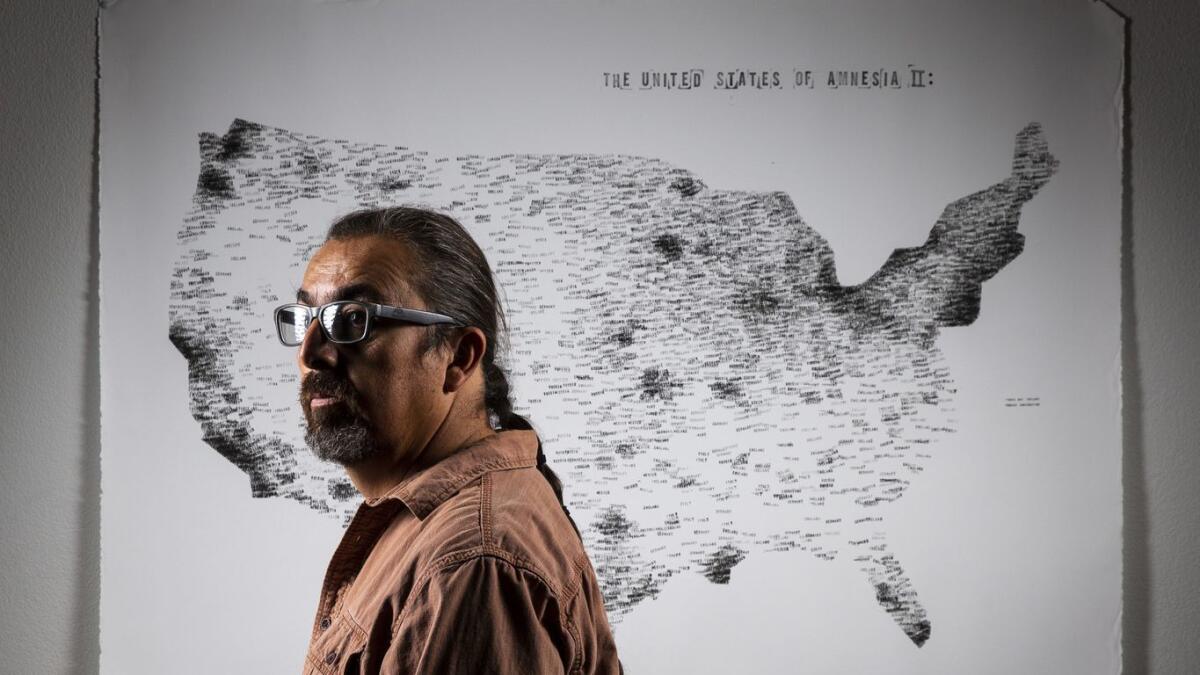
(701, 381)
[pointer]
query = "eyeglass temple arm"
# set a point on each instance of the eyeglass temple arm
(413, 315)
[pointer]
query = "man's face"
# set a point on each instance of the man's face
(380, 396)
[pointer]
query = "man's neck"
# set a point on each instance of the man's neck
(381, 473)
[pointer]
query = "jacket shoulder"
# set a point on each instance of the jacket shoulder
(523, 518)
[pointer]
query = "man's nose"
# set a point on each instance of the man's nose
(316, 352)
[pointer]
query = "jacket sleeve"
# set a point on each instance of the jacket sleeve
(483, 615)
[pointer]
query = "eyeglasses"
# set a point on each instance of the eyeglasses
(345, 321)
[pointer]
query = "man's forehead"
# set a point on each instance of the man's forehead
(362, 268)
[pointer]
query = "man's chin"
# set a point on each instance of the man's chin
(346, 445)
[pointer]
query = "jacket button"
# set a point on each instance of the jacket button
(325, 623)
(330, 658)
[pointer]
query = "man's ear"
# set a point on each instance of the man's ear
(466, 356)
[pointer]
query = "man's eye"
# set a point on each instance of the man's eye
(353, 318)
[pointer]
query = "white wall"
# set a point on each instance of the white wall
(49, 407)
(49, 365)
(1162, 353)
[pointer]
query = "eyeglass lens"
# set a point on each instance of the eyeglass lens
(343, 322)
(292, 323)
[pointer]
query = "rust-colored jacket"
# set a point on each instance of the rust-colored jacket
(467, 567)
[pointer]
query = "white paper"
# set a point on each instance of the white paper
(800, 473)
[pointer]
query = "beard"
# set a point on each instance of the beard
(338, 432)
(346, 444)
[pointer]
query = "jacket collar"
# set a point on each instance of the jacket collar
(425, 490)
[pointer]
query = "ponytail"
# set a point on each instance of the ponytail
(496, 399)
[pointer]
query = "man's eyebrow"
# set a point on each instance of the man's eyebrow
(360, 291)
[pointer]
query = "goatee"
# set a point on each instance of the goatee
(346, 444)
(338, 431)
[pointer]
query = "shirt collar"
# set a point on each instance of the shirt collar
(425, 490)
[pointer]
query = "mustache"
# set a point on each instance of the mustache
(324, 384)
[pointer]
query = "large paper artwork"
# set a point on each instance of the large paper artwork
(705, 361)
(815, 309)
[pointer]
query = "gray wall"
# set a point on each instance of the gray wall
(49, 410)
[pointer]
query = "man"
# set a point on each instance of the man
(462, 558)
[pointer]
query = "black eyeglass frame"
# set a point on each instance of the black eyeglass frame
(374, 309)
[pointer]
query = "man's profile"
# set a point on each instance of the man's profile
(462, 558)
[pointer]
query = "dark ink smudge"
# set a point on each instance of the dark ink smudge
(719, 566)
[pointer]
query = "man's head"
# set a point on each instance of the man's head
(389, 394)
